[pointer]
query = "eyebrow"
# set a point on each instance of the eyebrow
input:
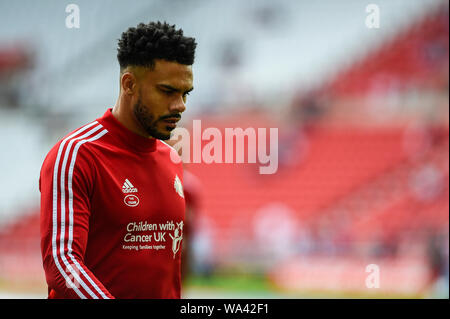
(171, 88)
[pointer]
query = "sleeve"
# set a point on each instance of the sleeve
(65, 182)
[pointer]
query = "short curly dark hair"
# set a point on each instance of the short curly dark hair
(141, 45)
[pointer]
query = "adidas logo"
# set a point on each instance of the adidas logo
(128, 187)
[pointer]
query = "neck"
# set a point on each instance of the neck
(123, 112)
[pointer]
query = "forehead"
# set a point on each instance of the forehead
(171, 73)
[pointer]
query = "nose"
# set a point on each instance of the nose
(178, 105)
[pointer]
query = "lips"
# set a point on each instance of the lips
(171, 123)
(172, 120)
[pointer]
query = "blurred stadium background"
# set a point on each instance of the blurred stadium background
(363, 119)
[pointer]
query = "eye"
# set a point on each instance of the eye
(186, 94)
(167, 92)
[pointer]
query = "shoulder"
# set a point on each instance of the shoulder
(74, 145)
(169, 151)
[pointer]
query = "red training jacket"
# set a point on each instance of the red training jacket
(112, 215)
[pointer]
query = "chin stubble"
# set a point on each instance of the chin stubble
(148, 122)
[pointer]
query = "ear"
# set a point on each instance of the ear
(128, 83)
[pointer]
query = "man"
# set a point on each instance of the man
(112, 200)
